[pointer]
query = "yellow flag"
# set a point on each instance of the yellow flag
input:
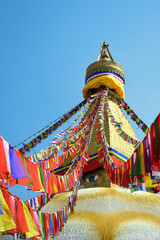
(148, 181)
(33, 231)
(6, 220)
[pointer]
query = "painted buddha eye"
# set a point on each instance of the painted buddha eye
(93, 178)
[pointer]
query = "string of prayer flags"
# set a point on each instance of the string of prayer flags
(20, 217)
(102, 142)
(134, 116)
(89, 101)
(52, 128)
(144, 164)
(38, 177)
(118, 127)
(53, 150)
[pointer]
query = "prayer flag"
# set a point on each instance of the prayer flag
(18, 170)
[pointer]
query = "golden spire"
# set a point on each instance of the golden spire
(105, 53)
(104, 72)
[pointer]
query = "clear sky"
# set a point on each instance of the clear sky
(46, 46)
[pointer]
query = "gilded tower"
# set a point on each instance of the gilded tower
(106, 73)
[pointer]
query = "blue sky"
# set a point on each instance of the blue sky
(46, 46)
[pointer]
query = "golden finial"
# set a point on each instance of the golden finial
(104, 56)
